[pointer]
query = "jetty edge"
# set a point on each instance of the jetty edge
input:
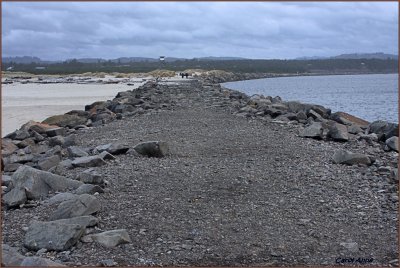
(198, 154)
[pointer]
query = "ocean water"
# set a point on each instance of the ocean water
(371, 96)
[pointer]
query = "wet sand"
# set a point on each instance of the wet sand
(24, 102)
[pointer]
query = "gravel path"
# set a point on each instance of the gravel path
(233, 191)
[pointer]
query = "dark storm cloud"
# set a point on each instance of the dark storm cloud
(54, 30)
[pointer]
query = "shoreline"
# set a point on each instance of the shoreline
(289, 96)
(237, 167)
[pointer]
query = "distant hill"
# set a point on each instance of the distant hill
(354, 56)
(219, 58)
(378, 55)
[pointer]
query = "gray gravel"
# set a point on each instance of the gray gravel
(233, 191)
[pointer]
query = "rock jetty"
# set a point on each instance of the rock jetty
(194, 174)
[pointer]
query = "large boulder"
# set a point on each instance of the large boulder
(113, 148)
(58, 131)
(91, 176)
(88, 161)
(295, 107)
(15, 197)
(66, 120)
(39, 262)
(49, 162)
(19, 134)
(85, 221)
(40, 128)
(383, 129)
(75, 151)
(152, 148)
(112, 238)
(56, 236)
(315, 131)
(38, 183)
(393, 143)
(10, 256)
(81, 205)
(8, 147)
(338, 132)
(349, 158)
(60, 197)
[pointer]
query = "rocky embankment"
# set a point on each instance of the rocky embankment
(192, 173)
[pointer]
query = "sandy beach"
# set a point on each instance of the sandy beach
(24, 102)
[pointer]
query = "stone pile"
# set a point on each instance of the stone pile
(34, 156)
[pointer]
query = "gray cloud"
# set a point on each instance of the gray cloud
(61, 30)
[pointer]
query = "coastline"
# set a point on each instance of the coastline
(211, 131)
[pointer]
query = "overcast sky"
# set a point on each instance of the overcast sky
(52, 30)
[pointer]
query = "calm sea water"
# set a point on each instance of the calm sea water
(371, 97)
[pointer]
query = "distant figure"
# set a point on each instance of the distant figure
(186, 74)
(182, 74)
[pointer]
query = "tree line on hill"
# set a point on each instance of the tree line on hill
(327, 66)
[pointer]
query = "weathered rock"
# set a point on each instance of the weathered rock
(38, 148)
(152, 148)
(56, 140)
(6, 180)
(85, 221)
(49, 162)
(80, 113)
(18, 135)
(338, 132)
(93, 105)
(91, 176)
(10, 167)
(393, 143)
(8, 147)
(112, 238)
(313, 114)
(383, 129)
(26, 142)
(370, 138)
(38, 183)
(52, 235)
(70, 140)
(36, 136)
(123, 108)
(89, 189)
(88, 161)
(62, 141)
(60, 197)
(19, 158)
(354, 129)
(75, 151)
(15, 197)
(296, 107)
(56, 150)
(349, 158)
(59, 131)
(84, 204)
(40, 128)
(66, 120)
(10, 256)
(39, 262)
(315, 131)
(113, 148)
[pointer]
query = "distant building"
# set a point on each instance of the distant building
(162, 58)
(10, 68)
(40, 68)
